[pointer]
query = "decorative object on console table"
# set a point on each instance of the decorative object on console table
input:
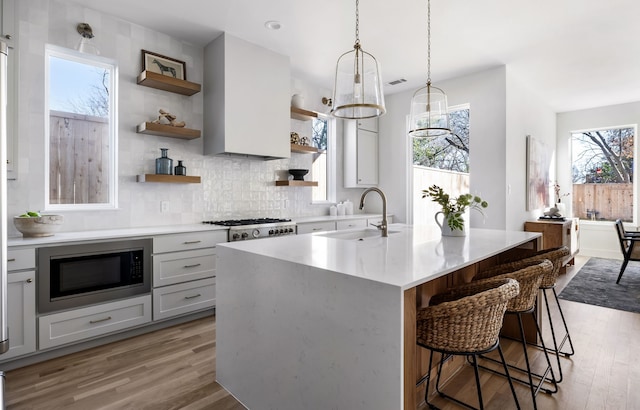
(164, 164)
(163, 65)
(556, 233)
(560, 206)
(453, 209)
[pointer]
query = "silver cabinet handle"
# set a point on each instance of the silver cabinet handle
(190, 242)
(192, 266)
(193, 297)
(29, 280)
(100, 320)
(11, 260)
(317, 229)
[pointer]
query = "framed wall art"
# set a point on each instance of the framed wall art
(164, 65)
(538, 162)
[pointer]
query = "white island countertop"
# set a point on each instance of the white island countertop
(409, 257)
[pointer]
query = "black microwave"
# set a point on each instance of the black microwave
(73, 276)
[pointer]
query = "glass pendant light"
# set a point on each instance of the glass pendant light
(357, 92)
(429, 111)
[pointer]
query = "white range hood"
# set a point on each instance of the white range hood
(246, 100)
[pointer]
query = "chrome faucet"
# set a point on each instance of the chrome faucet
(383, 226)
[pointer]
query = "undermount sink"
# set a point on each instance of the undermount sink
(359, 235)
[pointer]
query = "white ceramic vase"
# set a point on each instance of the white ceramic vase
(446, 229)
(562, 208)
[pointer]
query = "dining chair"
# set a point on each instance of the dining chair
(630, 251)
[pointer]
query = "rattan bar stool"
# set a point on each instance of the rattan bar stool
(465, 320)
(556, 256)
(529, 275)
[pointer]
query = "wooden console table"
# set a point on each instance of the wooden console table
(556, 234)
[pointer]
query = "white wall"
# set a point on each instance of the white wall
(485, 92)
(230, 188)
(527, 114)
(596, 238)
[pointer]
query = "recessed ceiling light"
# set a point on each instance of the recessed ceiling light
(273, 25)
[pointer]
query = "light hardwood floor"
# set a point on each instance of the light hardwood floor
(174, 368)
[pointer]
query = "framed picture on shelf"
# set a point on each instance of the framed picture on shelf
(163, 65)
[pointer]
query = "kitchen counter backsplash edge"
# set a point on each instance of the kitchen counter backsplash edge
(106, 234)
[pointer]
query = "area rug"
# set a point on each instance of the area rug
(595, 284)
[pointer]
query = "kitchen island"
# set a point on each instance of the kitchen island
(328, 320)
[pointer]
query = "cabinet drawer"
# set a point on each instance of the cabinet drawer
(186, 241)
(18, 259)
(351, 224)
(74, 325)
(316, 227)
(183, 298)
(177, 267)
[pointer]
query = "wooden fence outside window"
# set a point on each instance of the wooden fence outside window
(78, 159)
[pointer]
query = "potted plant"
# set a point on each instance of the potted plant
(453, 209)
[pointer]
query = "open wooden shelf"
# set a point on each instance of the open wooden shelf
(166, 83)
(293, 182)
(302, 115)
(176, 179)
(168, 131)
(304, 149)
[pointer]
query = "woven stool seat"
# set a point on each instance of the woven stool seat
(466, 320)
(529, 274)
(556, 256)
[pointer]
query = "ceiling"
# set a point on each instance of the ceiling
(574, 53)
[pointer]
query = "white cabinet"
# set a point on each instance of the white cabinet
(360, 155)
(78, 324)
(246, 99)
(351, 224)
(21, 303)
(9, 35)
(178, 267)
(369, 124)
(169, 301)
(310, 227)
(184, 267)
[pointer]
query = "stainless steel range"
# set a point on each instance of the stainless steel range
(245, 229)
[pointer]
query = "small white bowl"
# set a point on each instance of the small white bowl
(45, 225)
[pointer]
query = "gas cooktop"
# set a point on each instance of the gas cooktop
(244, 229)
(241, 222)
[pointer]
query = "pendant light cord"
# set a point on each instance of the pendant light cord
(357, 23)
(428, 41)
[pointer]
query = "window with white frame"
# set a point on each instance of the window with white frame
(322, 169)
(602, 173)
(442, 161)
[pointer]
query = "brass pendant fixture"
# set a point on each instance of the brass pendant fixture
(429, 111)
(357, 91)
